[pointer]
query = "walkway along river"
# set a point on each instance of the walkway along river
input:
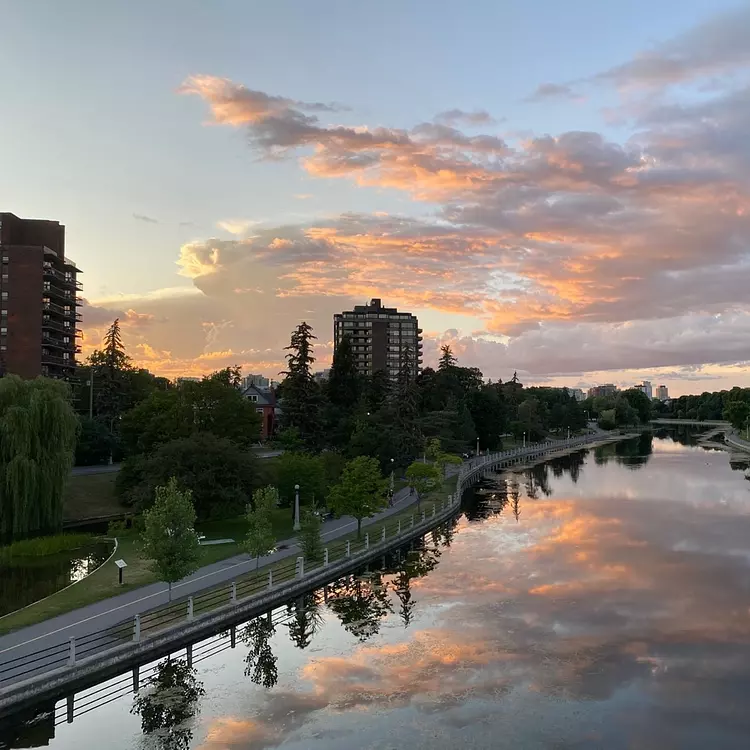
(47, 668)
(598, 599)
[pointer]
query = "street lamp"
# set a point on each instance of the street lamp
(392, 479)
(297, 526)
(568, 433)
(477, 445)
(524, 439)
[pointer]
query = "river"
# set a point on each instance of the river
(601, 600)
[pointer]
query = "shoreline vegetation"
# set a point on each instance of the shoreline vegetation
(44, 546)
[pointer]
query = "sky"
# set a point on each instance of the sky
(558, 189)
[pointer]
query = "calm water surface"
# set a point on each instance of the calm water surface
(27, 580)
(600, 601)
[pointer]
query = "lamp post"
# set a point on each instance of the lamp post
(477, 445)
(568, 433)
(392, 478)
(297, 526)
(524, 439)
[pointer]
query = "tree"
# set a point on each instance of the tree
(423, 478)
(309, 472)
(407, 435)
(310, 540)
(344, 385)
(37, 440)
(260, 539)
(169, 538)
(167, 702)
(360, 492)
(737, 413)
(220, 475)
(95, 442)
(109, 368)
(213, 405)
(300, 391)
(639, 402)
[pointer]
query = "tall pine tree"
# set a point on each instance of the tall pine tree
(110, 368)
(408, 435)
(301, 397)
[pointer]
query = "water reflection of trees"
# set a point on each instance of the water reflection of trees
(360, 603)
(634, 453)
(260, 661)
(167, 703)
(306, 619)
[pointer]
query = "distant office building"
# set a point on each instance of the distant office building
(322, 375)
(662, 393)
(645, 387)
(577, 394)
(187, 379)
(602, 390)
(257, 380)
(38, 299)
(380, 337)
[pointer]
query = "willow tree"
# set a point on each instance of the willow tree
(37, 443)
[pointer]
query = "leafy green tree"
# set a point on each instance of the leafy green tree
(423, 478)
(220, 475)
(37, 441)
(260, 539)
(309, 472)
(310, 540)
(639, 402)
(169, 539)
(95, 443)
(607, 419)
(360, 492)
(301, 397)
(167, 702)
(737, 413)
(213, 405)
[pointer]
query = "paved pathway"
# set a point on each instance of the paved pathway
(109, 612)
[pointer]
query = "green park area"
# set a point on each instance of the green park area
(343, 443)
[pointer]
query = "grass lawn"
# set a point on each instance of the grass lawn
(91, 496)
(103, 583)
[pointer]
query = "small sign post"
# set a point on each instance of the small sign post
(121, 564)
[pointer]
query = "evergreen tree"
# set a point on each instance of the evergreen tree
(447, 360)
(110, 368)
(408, 435)
(310, 539)
(344, 382)
(37, 441)
(300, 391)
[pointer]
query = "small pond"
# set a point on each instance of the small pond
(27, 579)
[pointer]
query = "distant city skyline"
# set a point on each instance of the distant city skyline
(574, 206)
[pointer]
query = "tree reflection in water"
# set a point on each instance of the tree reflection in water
(167, 703)
(260, 662)
(306, 619)
(360, 603)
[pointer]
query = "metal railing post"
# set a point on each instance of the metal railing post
(137, 629)
(367, 541)
(190, 608)
(398, 531)
(348, 549)
(433, 510)
(382, 535)
(412, 520)
(233, 595)
(423, 516)
(325, 557)
(270, 579)
(300, 567)
(72, 656)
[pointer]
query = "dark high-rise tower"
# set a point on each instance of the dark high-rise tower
(380, 337)
(38, 299)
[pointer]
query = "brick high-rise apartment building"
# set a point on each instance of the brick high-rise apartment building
(38, 299)
(379, 337)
